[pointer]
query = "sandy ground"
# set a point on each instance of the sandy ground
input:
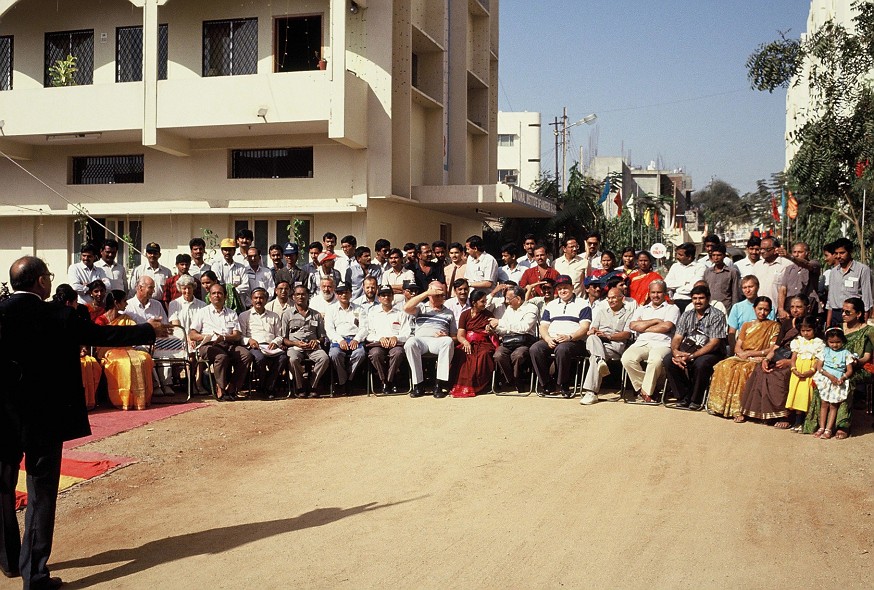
(488, 492)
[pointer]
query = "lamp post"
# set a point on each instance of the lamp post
(588, 120)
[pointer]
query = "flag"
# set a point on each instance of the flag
(782, 200)
(618, 200)
(655, 219)
(792, 210)
(775, 213)
(606, 192)
(860, 168)
(646, 218)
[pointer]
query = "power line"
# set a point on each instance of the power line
(678, 101)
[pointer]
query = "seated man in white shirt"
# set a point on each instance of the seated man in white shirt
(262, 333)
(386, 330)
(435, 332)
(344, 330)
(654, 324)
(218, 333)
(563, 330)
(142, 307)
(517, 329)
(608, 336)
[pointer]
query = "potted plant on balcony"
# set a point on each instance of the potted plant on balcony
(64, 71)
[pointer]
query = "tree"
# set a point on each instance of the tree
(834, 63)
(721, 205)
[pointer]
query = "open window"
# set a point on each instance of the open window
(297, 43)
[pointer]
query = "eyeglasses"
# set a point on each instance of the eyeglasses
(848, 311)
(50, 275)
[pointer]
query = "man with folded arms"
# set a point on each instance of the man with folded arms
(262, 333)
(385, 332)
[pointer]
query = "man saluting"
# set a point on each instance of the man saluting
(41, 407)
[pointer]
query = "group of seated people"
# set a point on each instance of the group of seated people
(477, 317)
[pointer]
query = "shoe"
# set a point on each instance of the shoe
(418, 390)
(683, 403)
(603, 369)
(545, 390)
(441, 390)
(522, 386)
(168, 390)
(228, 397)
(589, 398)
(695, 407)
(12, 574)
(53, 583)
(565, 392)
(347, 389)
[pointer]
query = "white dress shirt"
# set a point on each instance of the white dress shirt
(159, 275)
(682, 277)
(385, 324)
(484, 268)
(263, 328)
(116, 274)
(210, 322)
(142, 313)
(518, 321)
(183, 311)
(505, 273)
(80, 276)
(263, 277)
(342, 323)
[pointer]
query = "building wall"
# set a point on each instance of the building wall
(524, 154)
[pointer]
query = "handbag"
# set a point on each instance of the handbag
(513, 341)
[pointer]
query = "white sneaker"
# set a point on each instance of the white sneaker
(603, 369)
(589, 398)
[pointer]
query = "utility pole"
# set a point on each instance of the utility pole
(555, 134)
(564, 150)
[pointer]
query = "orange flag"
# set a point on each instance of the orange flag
(792, 209)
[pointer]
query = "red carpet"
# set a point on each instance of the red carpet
(78, 466)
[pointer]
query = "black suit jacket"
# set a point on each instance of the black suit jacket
(42, 400)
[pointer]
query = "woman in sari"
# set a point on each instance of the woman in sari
(860, 341)
(754, 341)
(473, 364)
(764, 396)
(639, 279)
(128, 370)
(97, 307)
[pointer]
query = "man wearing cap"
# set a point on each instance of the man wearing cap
(345, 332)
(324, 270)
(396, 275)
(303, 331)
(411, 289)
(387, 329)
(170, 290)
(230, 272)
(290, 273)
(262, 334)
(152, 269)
(563, 329)
(359, 268)
(257, 274)
(594, 292)
(84, 272)
(435, 332)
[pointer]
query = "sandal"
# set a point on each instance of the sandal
(818, 433)
(782, 425)
(739, 419)
(841, 434)
(798, 428)
(826, 434)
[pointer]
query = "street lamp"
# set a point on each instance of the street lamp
(588, 120)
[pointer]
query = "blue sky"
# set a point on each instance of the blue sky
(667, 79)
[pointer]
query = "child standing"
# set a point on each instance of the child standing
(834, 367)
(805, 349)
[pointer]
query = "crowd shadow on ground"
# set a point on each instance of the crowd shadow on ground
(133, 560)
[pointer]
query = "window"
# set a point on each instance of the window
(6, 63)
(107, 170)
(79, 44)
(281, 235)
(92, 231)
(414, 71)
(230, 47)
(503, 173)
(506, 140)
(297, 43)
(272, 163)
(129, 53)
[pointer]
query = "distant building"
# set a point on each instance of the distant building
(377, 119)
(519, 147)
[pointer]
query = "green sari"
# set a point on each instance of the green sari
(858, 342)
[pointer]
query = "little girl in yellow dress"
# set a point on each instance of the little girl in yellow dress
(804, 349)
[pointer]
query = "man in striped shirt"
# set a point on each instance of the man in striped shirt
(435, 330)
(563, 329)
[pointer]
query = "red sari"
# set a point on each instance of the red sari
(638, 288)
(473, 372)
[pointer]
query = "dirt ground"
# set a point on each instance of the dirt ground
(488, 492)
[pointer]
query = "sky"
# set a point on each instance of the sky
(666, 79)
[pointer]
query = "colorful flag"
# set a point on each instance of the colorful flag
(860, 168)
(775, 212)
(618, 200)
(782, 200)
(792, 210)
(646, 218)
(655, 219)
(606, 192)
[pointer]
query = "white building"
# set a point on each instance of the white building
(519, 147)
(376, 118)
(798, 95)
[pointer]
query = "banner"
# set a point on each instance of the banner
(792, 210)
(618, 200)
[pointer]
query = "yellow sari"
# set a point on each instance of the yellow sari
(128, 373)
(730, 376)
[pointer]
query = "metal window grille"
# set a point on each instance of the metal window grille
(79, 44)
(6, 63)
(230, 47)
(129, 53)
(108, 170)
(273, 163)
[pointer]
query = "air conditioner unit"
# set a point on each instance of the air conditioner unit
(511, 179)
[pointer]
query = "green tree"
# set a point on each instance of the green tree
(721, 205)
(834, 62)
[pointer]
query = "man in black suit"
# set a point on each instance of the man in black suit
(42, 404)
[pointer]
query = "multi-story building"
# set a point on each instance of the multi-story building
(519, 147)
(376, 118)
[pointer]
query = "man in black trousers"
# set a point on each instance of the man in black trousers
(42, 404)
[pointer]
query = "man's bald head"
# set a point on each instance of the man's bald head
(25, 274)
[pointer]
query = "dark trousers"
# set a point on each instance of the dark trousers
(225, 357)
(386, 361)
(565, 353)
(30, 556)
(689, 384)
(268, 368)
(512, 363)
